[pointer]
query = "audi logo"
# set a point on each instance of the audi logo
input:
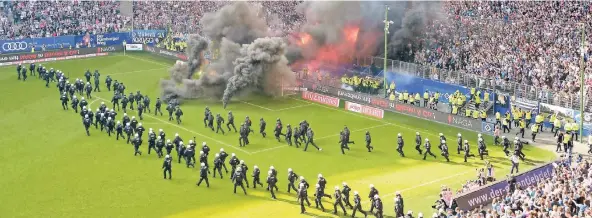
(14, 46)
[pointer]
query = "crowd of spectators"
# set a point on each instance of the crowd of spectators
(184, 16)
(35, 19)
(531, 42)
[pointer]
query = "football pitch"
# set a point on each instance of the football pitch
(51, 168)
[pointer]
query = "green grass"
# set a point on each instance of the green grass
(51, 168)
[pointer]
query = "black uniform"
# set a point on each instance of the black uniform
(506, 144)
(157, 106)
(88, 88)
(296, 136)
(257, 177)
(108, 81)
(151, 141)
(262, 125)
(358, 206)
(190, 156)
(206, 115)
(64, 100)
(418, 143)
(219, 122)
(119, 131)
(218, 167)
(459, 146)
(482, 149)
(238, 181)
(343, 142)
(345, 191)
(559, 142)
(428, 147)
(271, 182)
(167, 167)
(178, 114)
(87, 75)
(159, 146)
(137, 141)
(75, 104)
(169, 147)
(203, 175)
(373, 191)
(115, 102)
(303, 196)
(310, 139)
(379, 208)
(223, 156)
(319, 192)
(141, 111)
(369, 142)
(124, 102)
(278, 129)
(288, 136)
(230, 122)
(468, 151)
(292, 177)
(338, 201)
(131, 100)
(400, 144)
(170, 109)
(86, 122)
(128, 131)
(147, 103)
(211, 121)
(18, 71)
(181, 153)
(444, 149)
(97, 81)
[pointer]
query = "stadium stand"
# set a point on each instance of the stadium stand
(34, 19)
(471, 39)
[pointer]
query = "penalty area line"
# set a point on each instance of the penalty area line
(196, 133)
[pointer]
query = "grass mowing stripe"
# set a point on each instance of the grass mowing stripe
(299, 106)
(137, 71)
(255, 105)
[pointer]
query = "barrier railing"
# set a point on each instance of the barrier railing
(519, 90)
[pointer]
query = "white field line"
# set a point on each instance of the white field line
(369, 118)
(148, 61)
(299, 106)
(196, 133)
(324, 137)
(383, 197)
(255, 105)
(137, 71)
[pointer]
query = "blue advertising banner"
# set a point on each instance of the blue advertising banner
(150, 37)
(486, 194)
(111, 39)
(418, 85)
(27, 45)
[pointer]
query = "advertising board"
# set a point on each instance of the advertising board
(363, 109)
(133, 47)
(486, 194)
(407, 109)
(322, 99)
(10, 59)
(165, 53)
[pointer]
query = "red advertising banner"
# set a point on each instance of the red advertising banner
(363, 109)
(323, 99)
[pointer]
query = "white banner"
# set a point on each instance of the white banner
(133, 47)
(363, 109)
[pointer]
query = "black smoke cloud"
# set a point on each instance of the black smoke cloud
(248, 58)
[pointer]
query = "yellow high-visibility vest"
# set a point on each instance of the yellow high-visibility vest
(486, 97)
(497, 115)
(426, 95)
